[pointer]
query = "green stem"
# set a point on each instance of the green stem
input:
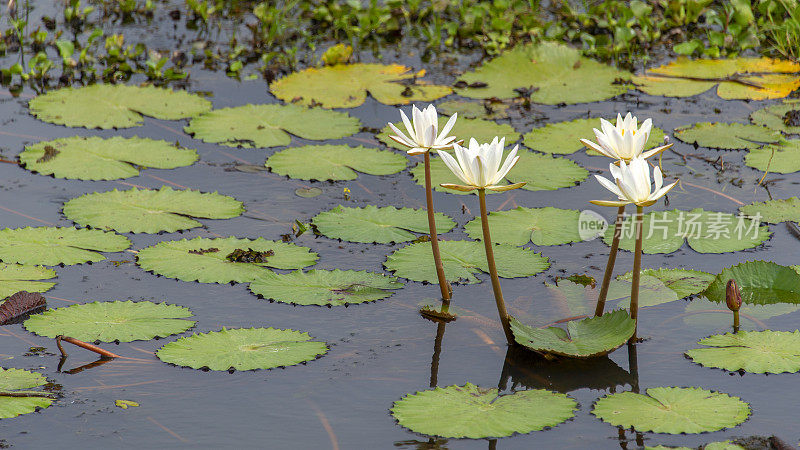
(736, 321)
(637, 269)
(498, 292)
(612, 259)
(444, 286)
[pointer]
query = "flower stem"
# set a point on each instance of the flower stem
(736, 321)
(612, 259)
(637, 269)
(498, 292)
(437, 257)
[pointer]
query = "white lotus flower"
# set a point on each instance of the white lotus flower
(423, 133)
(632, 184)
(624, 141)
(478, 165)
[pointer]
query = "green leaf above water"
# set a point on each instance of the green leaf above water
(774, 211)
(112, 321)
(779, 117)
(205, 260)
(14, 380)
(242, 349)
(261, 126)
(682, 281)
(586, 338)
(150, 211)
(727, 136)
(464, 129)
(672, 410)
(115, 106)
(379, 225)
(760, 282)
(462, 260)
(752, 351)
(95, 158)
(324, 287)
(542, 226)
(780, 158)
(556, 73)
(49, 246)
(473, 412)
(15, 278)
(563, 138)
(334, 162)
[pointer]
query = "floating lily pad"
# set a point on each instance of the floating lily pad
(652, 292)
(324, 287)
(682, 281)
(346, 86)
(752, 351)
(564, 138)
(473, 412)
(112, 321)
(760, 282)
(554, 73)
(491, 110)
(95, 158)
(672, 410)
(780, 158)
(380, 225)
(242, 349)
(334, 162)
(587, 338)
(462, 260)
(758, 78)
(15, 380)
(148, 210)
(206, 260)
(49, 246)
(727, 136)
(115, 106)
(260, 126)
(15, 278)
(784, 117)
(542, 226)
(705, 231)
(708, 316)
(774, 211)
(481, 130)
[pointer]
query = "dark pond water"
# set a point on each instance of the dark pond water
(383, 350)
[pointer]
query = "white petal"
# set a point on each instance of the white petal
(400, 137)
(451, 164)
(409, 127)
(658, 178)
(447, 127)
(610, 186)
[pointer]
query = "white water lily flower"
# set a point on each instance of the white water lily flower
(624, 141)
(632, 184)
(478, 165)
(423, 133)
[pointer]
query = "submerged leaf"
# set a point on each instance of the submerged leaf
(49, 246)
(380, 225)
(464, 129)
(542, 226)
(15, 278)
(563, 138)
(324, 287)
(752, 351)
(16, 379)
(19, 305)
(727, 136)
(760, 282)
(708, 316)
(774, 211)
(334, 162)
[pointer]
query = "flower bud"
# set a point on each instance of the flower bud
(732, 296)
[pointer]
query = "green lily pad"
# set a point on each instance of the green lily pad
(95, 158)
(346, 86)
(760, 282)
(242, 349)
(15, 278)
(705, 231)
(324, 287)
(490, 110)
(14, 380)
(379, 225)
(150, 211)
(49, 246)
(563, 138)
(681, 281)
(206, 260)
(334, 162)
(473, 412)
(774, 211)
(579, 299)
(586, 338)
(652, 292)
(727, 136)
(705, 315)
(462, 260)
(778, 117)
(752, 351)
(112, 321)
(672, 410)
(762, 78)
(482, 130)
(260, 126)
(542, 226)
(554, 72)
(780, 158)
(115, 106)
